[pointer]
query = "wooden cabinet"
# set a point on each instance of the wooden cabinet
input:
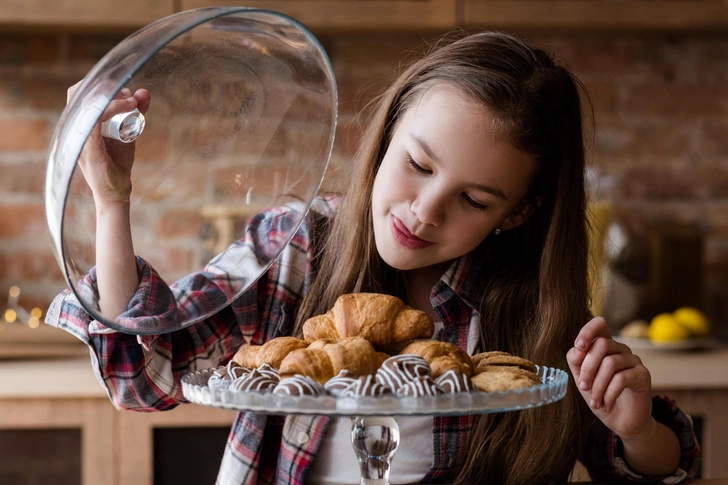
(83, 13)
(402, 15)
(354, 14)
(117, 448)
(635, 15)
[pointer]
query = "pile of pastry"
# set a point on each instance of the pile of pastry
(369, 344)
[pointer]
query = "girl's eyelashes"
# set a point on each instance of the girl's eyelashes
(466, 198)
(475, 205)
(416, 166)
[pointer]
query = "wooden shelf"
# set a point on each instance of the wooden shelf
(328, 15)
(83, 13)
(625, 15)
(701, 16)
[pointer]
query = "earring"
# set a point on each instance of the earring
(497, 230)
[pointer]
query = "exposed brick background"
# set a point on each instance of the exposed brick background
(661, 130)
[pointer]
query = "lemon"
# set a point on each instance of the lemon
(664, 327)
(694, 320)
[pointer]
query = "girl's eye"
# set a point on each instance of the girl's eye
(473, 204)
(416, 166)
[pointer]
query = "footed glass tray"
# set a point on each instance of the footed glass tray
(552, 388)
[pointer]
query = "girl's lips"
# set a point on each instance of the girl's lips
(406, 238)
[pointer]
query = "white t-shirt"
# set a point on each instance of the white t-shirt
(336, 464)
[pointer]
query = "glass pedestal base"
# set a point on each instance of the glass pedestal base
(375, 433)
(375, 440)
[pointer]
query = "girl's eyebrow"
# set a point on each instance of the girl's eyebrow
(490, 190)
(425, 147)
(484, 188)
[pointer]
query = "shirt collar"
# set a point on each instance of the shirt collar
(464, 277)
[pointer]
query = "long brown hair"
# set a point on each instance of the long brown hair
(535, 298)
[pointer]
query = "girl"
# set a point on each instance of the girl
(468, 203)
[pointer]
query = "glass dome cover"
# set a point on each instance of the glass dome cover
(242, 119)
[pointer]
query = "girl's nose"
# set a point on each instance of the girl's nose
(429, 209)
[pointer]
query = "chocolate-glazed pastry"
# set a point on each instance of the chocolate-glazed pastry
(365, 386)
(235, 370)
(339, 382)
(422, 386)
(270, 371)
(219, 379)
(255, 381)
(453, 382)
(299, 385)
(223, 376)
(400, 369)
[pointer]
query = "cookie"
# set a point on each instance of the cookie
(504, 378)
(483, 355)
(503, 359)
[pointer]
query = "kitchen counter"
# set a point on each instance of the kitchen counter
(49, 378)
(65, 392)
(694, 370)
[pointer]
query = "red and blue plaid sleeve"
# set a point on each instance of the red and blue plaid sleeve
(144, 373)
(604, 453)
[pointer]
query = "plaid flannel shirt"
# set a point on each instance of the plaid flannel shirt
(143, 373)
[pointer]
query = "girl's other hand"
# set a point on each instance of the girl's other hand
(106, 163)
(612, 380)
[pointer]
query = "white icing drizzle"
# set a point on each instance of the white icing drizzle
(235, 370)
(219, 379)
(453, 382)
(422, 386)
(299, 385)
(254, 381)
(365, 386)
(339, 382)
(270, 371)
(397, 370)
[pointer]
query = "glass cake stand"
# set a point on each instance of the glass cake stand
(375, 433)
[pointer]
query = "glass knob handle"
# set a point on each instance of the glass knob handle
(375, 440)
(125, 127)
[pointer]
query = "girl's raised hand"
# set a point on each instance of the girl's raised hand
(612, 380)
(106, 163)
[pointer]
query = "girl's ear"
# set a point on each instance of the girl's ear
(520, 214)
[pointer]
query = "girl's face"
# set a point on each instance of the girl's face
(445, 183)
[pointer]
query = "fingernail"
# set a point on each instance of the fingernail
(580, 342)
(131, 99)
(592, 404)
(125, 91)
(583, 386)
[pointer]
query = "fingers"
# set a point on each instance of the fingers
(595, 328)
(637, 378)
(143, 99)
(123, 102)
(72, 90)
(591, 362)
(140, 99)
(612, 372)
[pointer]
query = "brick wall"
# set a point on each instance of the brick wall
(661, 106)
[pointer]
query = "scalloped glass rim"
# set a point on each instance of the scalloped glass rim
(73, 129)
(553, 387)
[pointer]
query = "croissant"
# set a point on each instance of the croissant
(354, 354)
(442, 356)
(383, 320)
(314, 363)
(245, 356)
(273, 351)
